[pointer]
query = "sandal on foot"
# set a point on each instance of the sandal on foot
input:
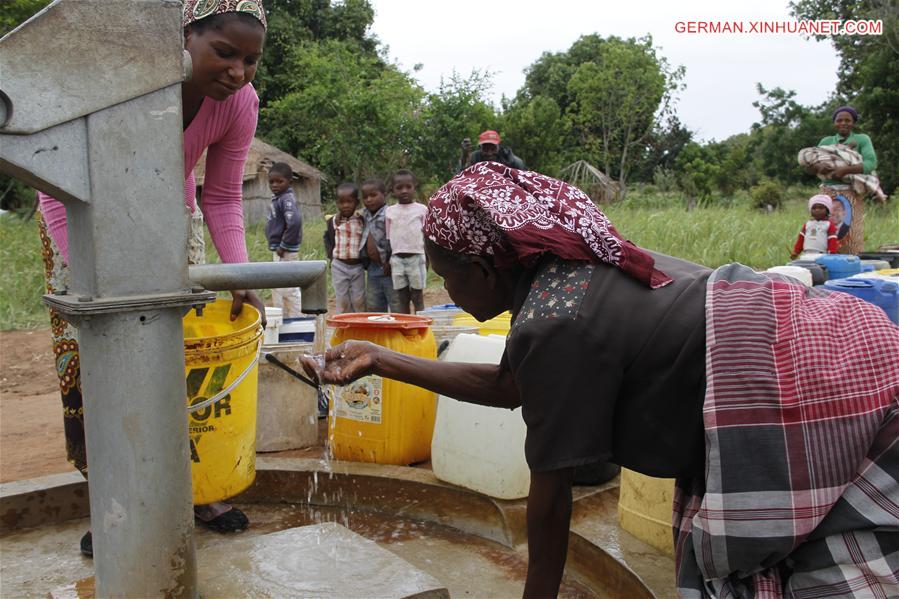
(87, 545)
(233, 520)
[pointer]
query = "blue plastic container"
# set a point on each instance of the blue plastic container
(840, 266)
(442, 308)
(299, 329)
(879, 292)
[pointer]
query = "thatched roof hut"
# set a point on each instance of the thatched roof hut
(256, 195)
(601, 188)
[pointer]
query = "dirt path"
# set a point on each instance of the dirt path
(32, 442)
(31, 436)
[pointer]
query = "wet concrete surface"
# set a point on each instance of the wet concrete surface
(595, 518)
(37, 561)
(474, 545)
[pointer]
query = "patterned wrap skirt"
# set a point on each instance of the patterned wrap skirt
(65, 336)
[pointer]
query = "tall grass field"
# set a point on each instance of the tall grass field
(712, 236)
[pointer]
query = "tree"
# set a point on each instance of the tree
(699, 169)
(786, 127)
(616, 102)
(343, 110)
(295, 22)
(868, 72)
(550, 74)
(664, 145)
(734, 156)
(611, 94)
(537, 131)
(458, 109)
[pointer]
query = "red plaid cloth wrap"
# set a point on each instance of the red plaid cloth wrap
(800, 496)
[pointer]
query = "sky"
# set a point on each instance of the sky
(506, 37)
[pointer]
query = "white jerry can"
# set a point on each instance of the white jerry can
(479, 447)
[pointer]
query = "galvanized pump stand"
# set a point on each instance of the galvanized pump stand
(90, 112)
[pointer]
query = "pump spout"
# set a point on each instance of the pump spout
(315, 295)
(307, 275)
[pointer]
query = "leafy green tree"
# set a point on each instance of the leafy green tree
(295, 22)
(617, 101)
(785, 128)
(699, 170)
(611, 94)
(660, 152)
(458, 109)
(537, 131)
(734, 156)
(868, 73)
(550, 74)
(343, 111)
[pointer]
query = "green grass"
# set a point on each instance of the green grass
(713, 235)
(22, 283)
(718, 235)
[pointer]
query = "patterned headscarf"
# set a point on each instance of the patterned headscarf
(194, 10)
(517, 216)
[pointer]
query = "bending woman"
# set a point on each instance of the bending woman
(782, 433)
(225, 40)
(845, 158)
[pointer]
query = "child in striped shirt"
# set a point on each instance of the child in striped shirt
(343, 241)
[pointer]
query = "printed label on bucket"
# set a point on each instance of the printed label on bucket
(204, 420)
(361, 400)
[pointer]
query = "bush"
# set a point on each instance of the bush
(767, 195)
(665, 180)
(15, 196)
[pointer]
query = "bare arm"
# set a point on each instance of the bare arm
(484, 384)
(549, 518)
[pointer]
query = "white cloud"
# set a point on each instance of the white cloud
(505, 38)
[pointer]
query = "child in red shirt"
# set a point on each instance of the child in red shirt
(818, 234)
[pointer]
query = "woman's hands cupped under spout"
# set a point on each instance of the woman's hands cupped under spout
(344, 364)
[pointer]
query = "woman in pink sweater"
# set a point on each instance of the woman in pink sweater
(225, 40)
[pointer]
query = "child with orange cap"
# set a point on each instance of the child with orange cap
(818, 234)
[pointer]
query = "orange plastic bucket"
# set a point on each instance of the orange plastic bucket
(382, 420)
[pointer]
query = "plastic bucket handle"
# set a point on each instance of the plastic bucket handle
(229, 388)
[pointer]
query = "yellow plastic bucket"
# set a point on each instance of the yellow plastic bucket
(644, 508)
(498, 325)
(221, 359)
(377, 419)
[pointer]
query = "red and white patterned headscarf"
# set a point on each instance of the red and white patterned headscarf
(517, 216)
(194, 10)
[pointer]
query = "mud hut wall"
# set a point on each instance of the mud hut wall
(257, 199)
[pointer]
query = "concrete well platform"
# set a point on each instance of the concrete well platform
(473, 545)
(326, 561)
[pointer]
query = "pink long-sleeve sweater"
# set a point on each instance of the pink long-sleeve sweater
(226, 128)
